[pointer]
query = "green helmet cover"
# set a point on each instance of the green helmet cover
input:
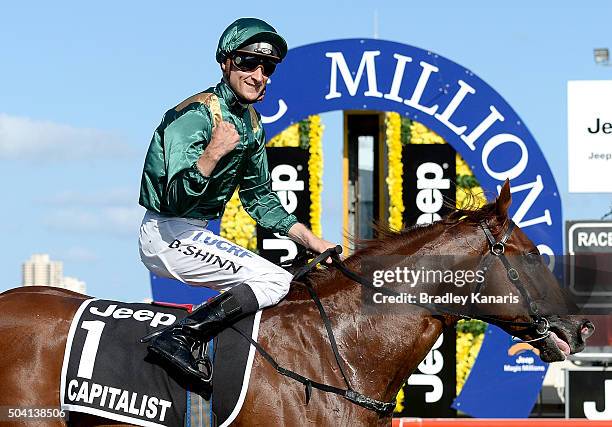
(244, 31)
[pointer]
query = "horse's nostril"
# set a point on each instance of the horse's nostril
(587, 329)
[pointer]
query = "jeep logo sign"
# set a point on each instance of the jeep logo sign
(429, 199)
(289, 175)
(428, 171)
(430, 390)
(588, 394)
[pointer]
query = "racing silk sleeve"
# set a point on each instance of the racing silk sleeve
(184, 141)
(257, 197)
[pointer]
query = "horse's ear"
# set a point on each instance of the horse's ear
(504, 200)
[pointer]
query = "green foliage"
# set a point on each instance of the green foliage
(473, 326)
(405, 130)
(467, 181)
(304, 127)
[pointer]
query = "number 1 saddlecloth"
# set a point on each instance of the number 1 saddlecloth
(108, 372)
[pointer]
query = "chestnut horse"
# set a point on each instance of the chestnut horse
(378, 351)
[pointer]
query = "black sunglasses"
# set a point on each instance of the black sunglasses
(250, 63)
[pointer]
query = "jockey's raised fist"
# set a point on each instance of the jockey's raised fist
(224, 138)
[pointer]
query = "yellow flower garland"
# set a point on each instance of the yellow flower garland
(472, 198)
(290, 137)
(468, 346)
(461, 166)
(420, 134)
(394, 179)
(315, 170)
(237, 225)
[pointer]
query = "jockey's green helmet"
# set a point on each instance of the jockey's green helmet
(253, 36)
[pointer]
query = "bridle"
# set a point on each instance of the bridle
(497, 248)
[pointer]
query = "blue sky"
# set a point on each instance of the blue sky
(82, 86)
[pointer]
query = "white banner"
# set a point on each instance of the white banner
(589, 132)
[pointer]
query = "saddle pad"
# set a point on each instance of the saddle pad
(108, 372)
(233, 361)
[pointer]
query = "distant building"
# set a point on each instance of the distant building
(74, 284)
(39, 270)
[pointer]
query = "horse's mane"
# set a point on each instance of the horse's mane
(387, 238)
(469, 213)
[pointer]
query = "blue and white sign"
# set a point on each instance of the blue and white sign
(366, 74)
(589, 136)
(508, 379)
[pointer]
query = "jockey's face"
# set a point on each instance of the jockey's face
(250, 86)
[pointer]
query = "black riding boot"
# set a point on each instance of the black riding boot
(177, 343)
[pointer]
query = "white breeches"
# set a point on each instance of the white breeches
(183, 249)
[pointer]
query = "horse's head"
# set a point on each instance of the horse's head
(542, 312)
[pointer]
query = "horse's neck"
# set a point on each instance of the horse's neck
(386, 349)
(383, 350)
(391, 348)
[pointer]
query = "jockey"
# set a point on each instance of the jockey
(203, 149)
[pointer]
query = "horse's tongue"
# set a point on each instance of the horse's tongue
(563, 346)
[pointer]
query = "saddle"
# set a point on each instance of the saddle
(108, 372)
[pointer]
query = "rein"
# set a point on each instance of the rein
(539, 324)
(380, 407)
